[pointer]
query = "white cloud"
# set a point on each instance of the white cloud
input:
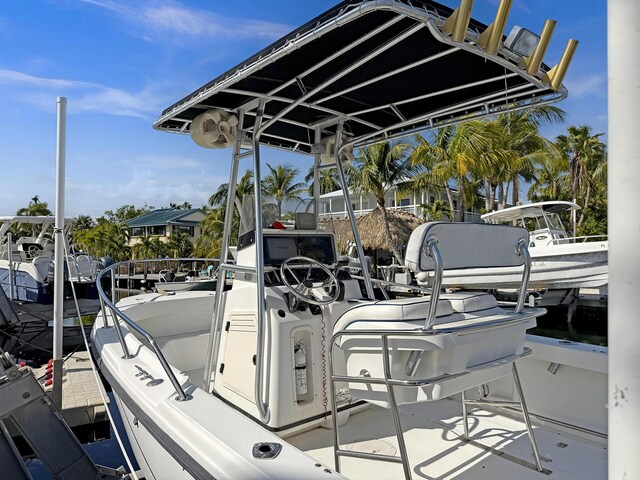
(153, 20)
(587, 85)
(89, 97)
(143, 185)
(14, 77)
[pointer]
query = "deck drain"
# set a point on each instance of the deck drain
(379, 447)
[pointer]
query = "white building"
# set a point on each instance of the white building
(332, 204)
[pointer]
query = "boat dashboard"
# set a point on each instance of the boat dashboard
(278, 248)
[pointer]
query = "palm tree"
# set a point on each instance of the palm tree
(179, 244)
(327, 179)
(435, 211)
(280, 185)
(180, 206)
(243, 187)
(35, 208)
(212, 227)
(549, 180)
(81, 223)
(587, 162)
(518, 147)
(376, 170)
(106, 238)
(454, 155)
(209, 242)
(150, 247)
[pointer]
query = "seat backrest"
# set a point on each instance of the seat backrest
(85, 265)
(465, 245)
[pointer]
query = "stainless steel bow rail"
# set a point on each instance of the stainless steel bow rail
(118, 315)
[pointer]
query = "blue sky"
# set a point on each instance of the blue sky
(121, 62)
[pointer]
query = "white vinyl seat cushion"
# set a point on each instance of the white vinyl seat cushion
(410, 313)
(405, 311)
(468, 302)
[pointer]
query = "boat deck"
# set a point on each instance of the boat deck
(499, 447)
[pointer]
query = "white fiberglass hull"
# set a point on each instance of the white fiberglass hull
(581, 265)
(29, 282)
(204, 437)
(186, 286)
(201, 437)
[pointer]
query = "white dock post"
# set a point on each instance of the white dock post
(59, 254)
(624, 238)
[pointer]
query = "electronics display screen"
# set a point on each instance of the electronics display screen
(278, 248)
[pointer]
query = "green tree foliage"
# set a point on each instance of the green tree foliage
(515, 151)
(436, 211)
(80, 224)
(280, 185)
(180, 206)
(126, 212)
(104, 239)
(150, 247)
(109, 236)
(209, 243)
(549, 181)
(212, 227)
(587, 157)
(35, 208)
(328, 181)
(378, 168)
(454, 155)
(244, 187)
(179, 245)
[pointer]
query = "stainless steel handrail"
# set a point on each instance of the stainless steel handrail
(389, 381)
(415, 288)
(117, 315)
(582, 239)
(431, 249)
(523, 250)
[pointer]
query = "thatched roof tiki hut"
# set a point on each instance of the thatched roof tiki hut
(372, 234)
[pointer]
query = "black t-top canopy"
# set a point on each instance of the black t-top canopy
(384, 67)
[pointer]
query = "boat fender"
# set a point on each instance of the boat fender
(300, 362)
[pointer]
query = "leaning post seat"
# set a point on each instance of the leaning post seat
(422, 349)
(441, 344)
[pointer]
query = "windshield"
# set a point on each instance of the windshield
(248, 217)
(554, 221)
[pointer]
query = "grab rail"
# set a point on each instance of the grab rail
(118, 315)
(386, 283)
(583, 239)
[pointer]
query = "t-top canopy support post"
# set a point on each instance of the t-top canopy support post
(347, 203)
(216, 322)
(263, 406)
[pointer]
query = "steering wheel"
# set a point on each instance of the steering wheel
(303, 289)
(33, 251)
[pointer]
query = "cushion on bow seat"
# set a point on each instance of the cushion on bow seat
(467, 302)
(412, 312)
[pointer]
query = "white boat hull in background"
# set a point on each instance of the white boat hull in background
(574, 265)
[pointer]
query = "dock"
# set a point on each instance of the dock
(81, 400)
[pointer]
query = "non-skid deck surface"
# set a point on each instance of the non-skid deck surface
(499, 446)
(81, 399)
